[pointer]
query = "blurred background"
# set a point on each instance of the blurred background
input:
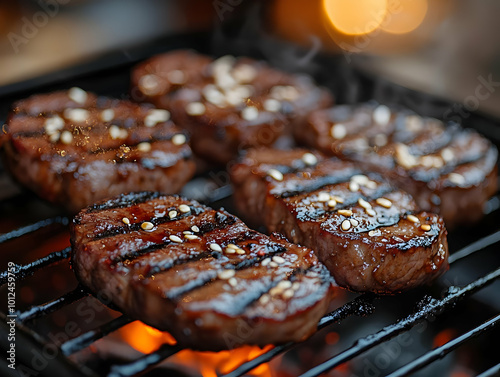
(449, 48)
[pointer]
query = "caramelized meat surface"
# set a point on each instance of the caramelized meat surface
(371, 236)
(199, 273)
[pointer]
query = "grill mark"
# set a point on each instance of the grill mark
(313, 185)
(137, 226)
(275, 249)
(125, 200)
(151, 140)
(222, 224)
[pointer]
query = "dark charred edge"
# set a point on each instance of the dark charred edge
(125, 200)
(137, 226)
(243, 265)
(425, 241)
(317, 183)
(490, 156)
(182, 261)
(221, 221)
(348, 202)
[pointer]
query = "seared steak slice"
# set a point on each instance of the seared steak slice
(230, 103)
(73, 148)
(371, 236)
(199, 273)
(447, 169)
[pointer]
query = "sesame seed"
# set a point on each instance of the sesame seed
(191, 237)
(126, 221)
(264, 299)
(144, 146)
(244, 73)
(413, 123)
(404, 157)
(447, 154)
(230, 250)
(155, 116)
(266, 261)
(172, 214)
(240, 251)
(456, 178)
(338, 199)
(278, 259)
(176, 77)
(250, 113)
(54, 124)
(187, 232)
(371, 185)
(363, 203)
(284, 284)
(146, 225)
(195, 108)
(332, 203)
(360, 179)
(425, 227)
(338, 131)
(148, 84)
(232, 246)
(76, 115)
(372, 233)
(66, 137)
(233, 282)
(215, 247)
(273, 264)
(353, 186)
(370, 212)
(194, 228)
(413, 219)
(116, 132)
(323, 197)
(179, 139)
(288, 293)
(78, 95)
(296, 286)
(225, 274)
(381, 115)
(54, 137)
(107, 115)
(346, 225)
(354, 222)
(345, 212)
(384, 202)
(272, 105)
(275, 291)
(276, 174)
(175, 239)
(309, 159)
(184, 208)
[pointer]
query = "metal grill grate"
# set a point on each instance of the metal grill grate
(362, 305)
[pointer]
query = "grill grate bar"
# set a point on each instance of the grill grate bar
(429, 307)
(84, 340)
(440, 352)
(63, 220)
(361, 305)
(144, 362)
(475, 246)
(493, 371)
(25, 270)
(51, 306)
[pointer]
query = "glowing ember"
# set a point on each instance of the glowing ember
(147, 339)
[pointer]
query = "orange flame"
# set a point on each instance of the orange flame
(147, 339)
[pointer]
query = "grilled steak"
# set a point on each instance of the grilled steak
(73, 148)
(371, 236)
(447, 169)
(230, 103)
(199, 273)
